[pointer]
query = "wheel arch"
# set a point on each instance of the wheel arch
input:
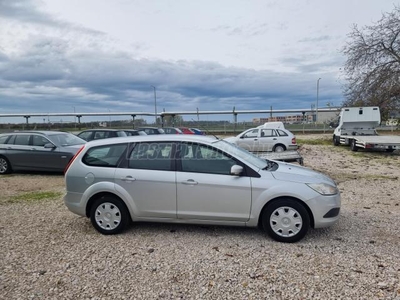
(99, 195)
(302, 203)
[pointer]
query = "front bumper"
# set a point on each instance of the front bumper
(325, 210)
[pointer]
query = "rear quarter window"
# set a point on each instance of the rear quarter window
(282, 133)
(104, 156)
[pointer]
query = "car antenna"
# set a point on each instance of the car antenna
(206, 131)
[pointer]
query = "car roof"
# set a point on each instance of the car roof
(105, 129)
(45, 132)
(154, 138)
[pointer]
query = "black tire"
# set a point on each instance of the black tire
(295, 220)
(109, 215)
(5, 166)
(336, 140)
(279, 148)
(389, 150)
(353, 146)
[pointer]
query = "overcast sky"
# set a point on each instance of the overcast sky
(100, 56)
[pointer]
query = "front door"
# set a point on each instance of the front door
(205, 188)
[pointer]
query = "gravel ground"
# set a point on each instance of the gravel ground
(50, 253)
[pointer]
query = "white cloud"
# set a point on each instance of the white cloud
(207, 54)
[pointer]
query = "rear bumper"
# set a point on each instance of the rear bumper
(73, 203)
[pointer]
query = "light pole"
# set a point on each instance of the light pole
(74, 116)
(316, 114)
(155, 104)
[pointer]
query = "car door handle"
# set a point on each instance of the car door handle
(190, 182)
(274, 139)
(256, 139)
(128, 178)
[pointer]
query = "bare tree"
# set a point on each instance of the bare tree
(373, 64)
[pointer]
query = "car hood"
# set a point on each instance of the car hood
(231, 139)
(291, 172)
(72, 148)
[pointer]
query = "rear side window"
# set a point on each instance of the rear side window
(104, 156)
(22, 140)
(151, 156)
(268, 132)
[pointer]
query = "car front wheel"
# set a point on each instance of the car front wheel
(109, 215)
(286, 220)
(5, 166)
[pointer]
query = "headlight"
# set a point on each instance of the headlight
(323, 188)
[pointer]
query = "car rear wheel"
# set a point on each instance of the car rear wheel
(109, 215)
(5, 166)
(279, 148)
(286, 220)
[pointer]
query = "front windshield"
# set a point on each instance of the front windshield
(240, 153)
(66, 139)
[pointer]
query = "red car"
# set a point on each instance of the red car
(186, 130)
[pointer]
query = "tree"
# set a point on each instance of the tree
(372, 68)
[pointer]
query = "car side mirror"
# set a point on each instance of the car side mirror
(50, 145)
(236, 170)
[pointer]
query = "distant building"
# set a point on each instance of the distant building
(323, 117)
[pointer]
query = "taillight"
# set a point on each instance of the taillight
(73, 158)
(294, 141)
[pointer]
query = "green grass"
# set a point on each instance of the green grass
(35, 197)
(323, 142)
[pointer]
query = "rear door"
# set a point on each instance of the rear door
(149, 178)
(18, 151)
(268, 138)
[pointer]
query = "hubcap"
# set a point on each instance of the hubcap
(108, 216)
(279, 149)
(286, 221)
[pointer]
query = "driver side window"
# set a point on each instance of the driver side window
(251, 134)
(199, 158)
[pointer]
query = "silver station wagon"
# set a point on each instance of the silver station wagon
(199, 180)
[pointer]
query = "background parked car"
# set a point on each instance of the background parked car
(197, 131)
(186, 130)
(37, 150)
(172, 130)
(133, 132)
(99, 134)
(265, 139)
(152, 130)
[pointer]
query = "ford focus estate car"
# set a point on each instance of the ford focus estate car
(37, 150)
(199, 180)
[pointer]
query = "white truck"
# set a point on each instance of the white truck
(357, 128)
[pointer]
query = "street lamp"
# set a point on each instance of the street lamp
(316, 115)
(155, 104)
